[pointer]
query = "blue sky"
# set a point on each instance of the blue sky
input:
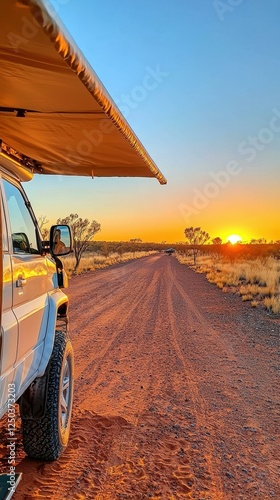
(217, 94)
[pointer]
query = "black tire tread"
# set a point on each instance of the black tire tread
(41, 438)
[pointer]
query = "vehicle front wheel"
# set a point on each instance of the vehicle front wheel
(47, 437)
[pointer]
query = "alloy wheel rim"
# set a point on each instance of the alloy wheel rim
(65, 394)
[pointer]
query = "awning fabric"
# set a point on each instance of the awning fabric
(53, 107)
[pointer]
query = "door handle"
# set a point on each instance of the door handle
(20, 282)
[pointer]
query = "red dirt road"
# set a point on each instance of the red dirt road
(176, 394)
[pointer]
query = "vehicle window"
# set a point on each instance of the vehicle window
(22, 226)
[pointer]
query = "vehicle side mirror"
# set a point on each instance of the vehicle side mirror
(60, 240)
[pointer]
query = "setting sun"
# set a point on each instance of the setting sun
(234, 238)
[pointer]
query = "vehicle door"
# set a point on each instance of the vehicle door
(29, 279)
(9, 325)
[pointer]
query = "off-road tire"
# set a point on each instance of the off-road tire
(47, 437)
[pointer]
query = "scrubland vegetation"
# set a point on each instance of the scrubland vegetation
(252, 271)
(94, 260)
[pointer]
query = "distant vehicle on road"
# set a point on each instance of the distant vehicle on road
(169, 251)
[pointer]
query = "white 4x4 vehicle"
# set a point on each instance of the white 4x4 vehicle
(36, 353)
(56, 118)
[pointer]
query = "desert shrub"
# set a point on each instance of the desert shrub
(256, 280)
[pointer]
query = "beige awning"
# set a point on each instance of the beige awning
(53, 107)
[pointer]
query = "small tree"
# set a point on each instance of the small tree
(83, 232)
(259, 241)
(135, 240)
(217, 241)
(196, 237)
(42, 221)
(120, 249)
(104, 249)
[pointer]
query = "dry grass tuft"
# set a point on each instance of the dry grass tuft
(93, 261)
(273, 304)
(254, 303)
(256, 280)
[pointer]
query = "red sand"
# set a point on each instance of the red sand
(176, 393)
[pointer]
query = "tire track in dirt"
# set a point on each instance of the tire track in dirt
(193, 318)
(117, 322)
(118, 446)
(104, 290)
(164, 470)
(80, 472)
(116, 468)
(230, 360)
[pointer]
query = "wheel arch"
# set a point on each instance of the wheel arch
(57, 319)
